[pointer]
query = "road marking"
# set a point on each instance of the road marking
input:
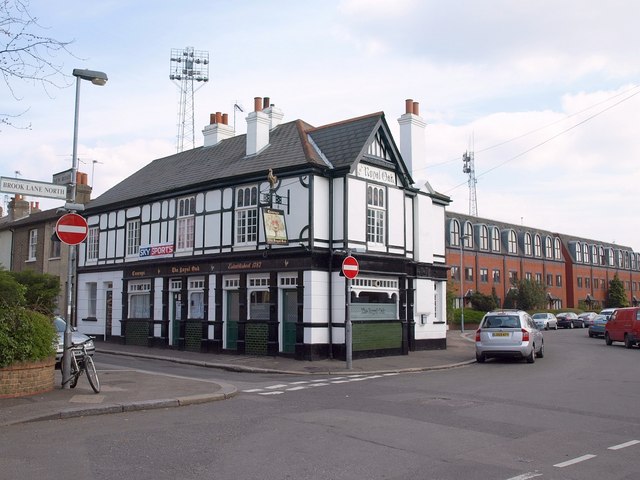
(293, 389)
(273, 387)
(575, 460)
(624, 445)
(270, 393)
(526, 476)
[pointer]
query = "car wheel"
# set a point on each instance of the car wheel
(627, 341)
(591, 335)
(541, 352)
(607, 339)
(532, 356)
(582, 326)
(571, 324)
(480, 358)
(556, 327)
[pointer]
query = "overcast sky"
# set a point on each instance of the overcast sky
(544, 92)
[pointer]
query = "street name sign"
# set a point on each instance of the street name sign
(32, 188)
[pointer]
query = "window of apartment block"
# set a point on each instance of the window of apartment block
(484, 275)
(539, 278)
(528, 249)
(556, 249)
(468, 274)
(454, 233)
(596, 284)
(528, 276)
(468, 235)
(620, 261)
(376, 214)
(537, 246)
(558, 280)
(513, 276)
(579, 281)
(140, 299)
(247, 215)
(578, 251)
(93, 238)
(549, 280)
(587, 282)
(484, 238)
(33, 244)
(185, 224)
(455, 273)
(594, 255)
(495, 239)
(133, 237)
(601, 255)
(512, 243)
(627, 261)
(496, 276)
(548, 247)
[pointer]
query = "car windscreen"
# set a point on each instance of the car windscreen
(59, 324)
(502, 321)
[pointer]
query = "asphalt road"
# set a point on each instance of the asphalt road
(571, 415)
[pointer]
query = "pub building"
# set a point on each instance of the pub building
(237, 246)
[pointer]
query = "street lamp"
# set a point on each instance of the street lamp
(97, 78)
(462, 239)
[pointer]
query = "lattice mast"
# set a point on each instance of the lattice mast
(187, 67)
(469, 168)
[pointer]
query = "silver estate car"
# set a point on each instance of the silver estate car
(509, 333)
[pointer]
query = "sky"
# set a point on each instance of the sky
(545, 93)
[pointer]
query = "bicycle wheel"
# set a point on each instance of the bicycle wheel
(75, 373)
(92, 375)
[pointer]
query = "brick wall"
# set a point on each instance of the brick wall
(29, 378)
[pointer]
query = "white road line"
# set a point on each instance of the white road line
(273, 387)
(318, 384)
(293, 389)
(574, 461)
(270, 393)
(624, 445)
(526, 476)
(341, 381)
(302, 382)
(253, 390)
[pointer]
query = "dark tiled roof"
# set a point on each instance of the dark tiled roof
(32, 218)
(340, 143)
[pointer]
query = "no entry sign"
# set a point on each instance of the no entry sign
(350, 267)
(72, 229)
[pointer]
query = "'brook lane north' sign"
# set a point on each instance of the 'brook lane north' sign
(32, 188)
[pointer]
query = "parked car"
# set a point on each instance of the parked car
(508, 333)
(607, 312)
(76, 338)
(569, 320)
(587, 317)
(623, 326)
(596, 329)
(545, 321)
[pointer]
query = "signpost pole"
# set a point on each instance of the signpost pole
(350, 269)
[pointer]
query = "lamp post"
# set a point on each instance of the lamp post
(97, 78)
(462, 239)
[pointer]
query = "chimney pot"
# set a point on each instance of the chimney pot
(212, 118)
(225, 118)
(266, 103)
(218, 117)
(416, 108)
(257, 104)
(408, 105)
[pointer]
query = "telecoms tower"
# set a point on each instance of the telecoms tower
(187, 67)
(469, 168)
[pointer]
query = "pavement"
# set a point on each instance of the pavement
(130, 390)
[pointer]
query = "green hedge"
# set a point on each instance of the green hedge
(25, 336)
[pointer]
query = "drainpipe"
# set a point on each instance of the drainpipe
(331, 268)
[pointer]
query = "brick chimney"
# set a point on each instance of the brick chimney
(18, 207)
(258, 123)
(413, 140)
(217, 130)
(83, 189)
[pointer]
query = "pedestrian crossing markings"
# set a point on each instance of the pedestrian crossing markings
(281, 388)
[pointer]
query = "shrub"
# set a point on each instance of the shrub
(25, 336)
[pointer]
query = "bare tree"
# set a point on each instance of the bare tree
(25, 53)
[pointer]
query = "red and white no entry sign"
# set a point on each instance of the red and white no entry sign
(72, 229)
(350, 267)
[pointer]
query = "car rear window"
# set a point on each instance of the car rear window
(506, 321)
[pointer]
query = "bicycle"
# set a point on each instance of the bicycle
(81, 361)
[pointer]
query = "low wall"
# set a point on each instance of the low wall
(27, 378)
